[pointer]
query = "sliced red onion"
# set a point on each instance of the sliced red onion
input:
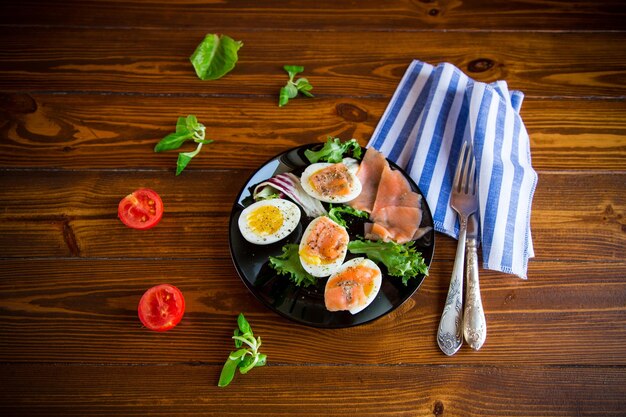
(290, 185)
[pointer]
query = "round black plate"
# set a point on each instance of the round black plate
(306, 305)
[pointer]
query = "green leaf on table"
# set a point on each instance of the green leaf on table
(243, 324)
(187, 129)
(215, 56)
(243, 359)
(292, 88)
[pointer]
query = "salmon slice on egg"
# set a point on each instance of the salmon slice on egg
(323, 247)
(353, 287)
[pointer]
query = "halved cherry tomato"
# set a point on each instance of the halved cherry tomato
(161, 307)
(142, 209)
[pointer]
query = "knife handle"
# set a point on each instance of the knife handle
(450, 333)
(474, 324)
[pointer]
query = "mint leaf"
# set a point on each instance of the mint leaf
(173, 141)
(288, 263)
(245, 358)
(291, 89)
(215, 56)
(187, 128)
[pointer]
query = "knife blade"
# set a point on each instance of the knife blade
(474, 324)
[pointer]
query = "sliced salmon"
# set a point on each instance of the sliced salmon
(395, 209)
(369, 173)
(395, 223)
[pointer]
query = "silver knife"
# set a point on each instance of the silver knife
(474, 324)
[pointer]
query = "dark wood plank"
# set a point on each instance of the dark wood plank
(84, 311)
(37, 390)
(397, 15)
(102, 131)
(47, 208)
(151, 61)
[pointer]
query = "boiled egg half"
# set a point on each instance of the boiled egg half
(331, 183)
(323, 247)
(353, 287)
(268, 221)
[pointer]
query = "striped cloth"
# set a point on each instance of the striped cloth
(436, 108)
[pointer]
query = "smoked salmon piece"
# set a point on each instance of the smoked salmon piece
(369, 173)
(395, 209)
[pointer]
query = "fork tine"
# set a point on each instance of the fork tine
(456, 185)
(472, 179)
(466, 163)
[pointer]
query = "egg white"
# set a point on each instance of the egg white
(290, 217)
(376, 285)
(354, 191)
(315, 265)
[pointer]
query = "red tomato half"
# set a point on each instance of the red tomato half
(142, 209)
(161, 307)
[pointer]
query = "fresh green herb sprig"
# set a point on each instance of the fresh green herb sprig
(292, 88)
(334, 151)
(187, 128)
(401, 260)
(289, 264)
(243, 359)
(337, 213)
(215, 56)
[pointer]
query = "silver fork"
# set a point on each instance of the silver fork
(464, 201)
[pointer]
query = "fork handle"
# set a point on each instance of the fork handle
(450, 333)
(474, 324)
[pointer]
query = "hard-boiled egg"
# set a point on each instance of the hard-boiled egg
(331, 183)
(353, 287)
(323, 247)
(268, 221)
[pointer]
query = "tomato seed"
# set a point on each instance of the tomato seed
(144, 218)
(152, 211)
(151, 202)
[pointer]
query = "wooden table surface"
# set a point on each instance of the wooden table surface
(87, 88)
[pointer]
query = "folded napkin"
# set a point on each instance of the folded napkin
(435, 109)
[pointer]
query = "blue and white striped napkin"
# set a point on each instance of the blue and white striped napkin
(436, 108)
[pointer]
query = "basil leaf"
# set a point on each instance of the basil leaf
(192, 123)
(228, 371)
(283, 98)
(215, 56)
(292, 90)
(243, 324)
(182, 162)
(238, 343)
(262, 360)
(181, 125)
(173, 141)
(293, 70)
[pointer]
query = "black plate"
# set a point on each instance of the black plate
(306, 305)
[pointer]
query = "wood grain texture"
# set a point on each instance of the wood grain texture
(338, 391)
(396, 15)
(157, 62)
(84, 311)
(103, 131)
(76, 207)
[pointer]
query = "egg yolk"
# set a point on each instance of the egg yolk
(265, 220)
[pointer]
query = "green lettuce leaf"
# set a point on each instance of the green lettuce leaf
(334, 151)
(215, 56)
(401, 260)
(289, 264)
